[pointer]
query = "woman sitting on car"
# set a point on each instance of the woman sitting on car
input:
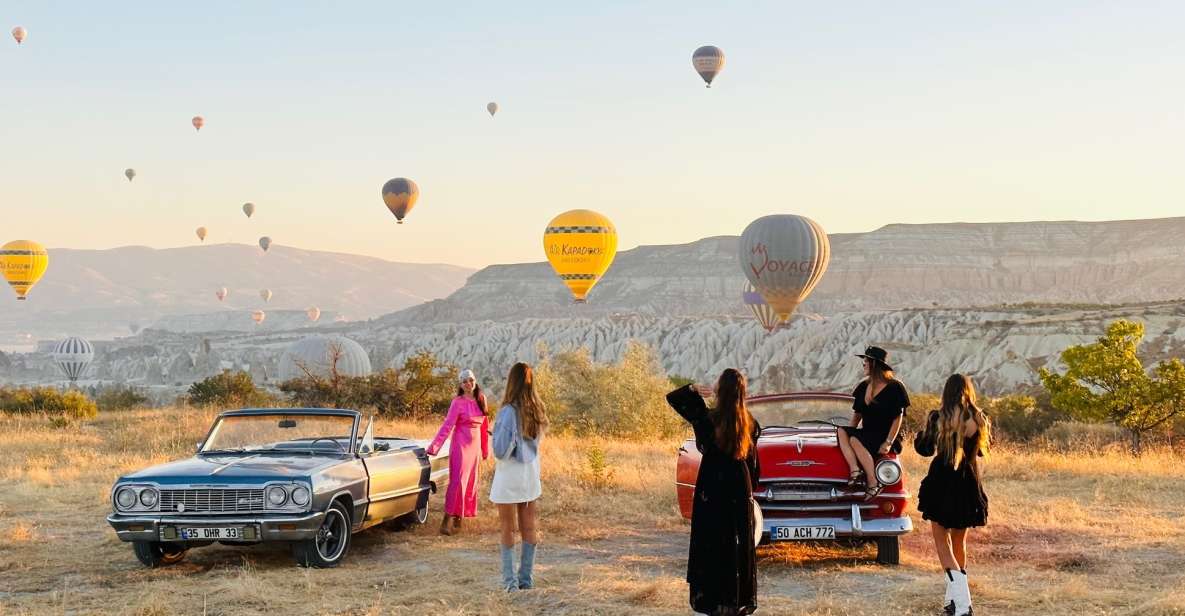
(722, 560)
(878, 410)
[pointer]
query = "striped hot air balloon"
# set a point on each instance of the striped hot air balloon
(763, 311)
(400, 196)
(708, 61)
(580, 245)
(72, 356)
(784, 256)
(23, 263)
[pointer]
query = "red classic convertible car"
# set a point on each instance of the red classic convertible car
(802, 489)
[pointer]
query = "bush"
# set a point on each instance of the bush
(1019, 418)
(66, 406)
(228, 389)
(1080, 436)
(423, 386)
(120, 398)
(626, 399)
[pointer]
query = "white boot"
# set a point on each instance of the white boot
(961, 593)
(948, 601)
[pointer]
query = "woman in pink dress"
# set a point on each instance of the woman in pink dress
(469, 427)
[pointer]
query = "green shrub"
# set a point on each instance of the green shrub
(423, 386)
(120, 398)
(71, 405)
(597, 474)
(1019, 418)
(229, 389)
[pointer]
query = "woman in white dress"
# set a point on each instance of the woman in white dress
(516, 486)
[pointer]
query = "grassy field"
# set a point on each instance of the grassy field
(1081, 534)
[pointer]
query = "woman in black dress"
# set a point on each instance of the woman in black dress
(879, 408)
(951, 496)
(722, 560)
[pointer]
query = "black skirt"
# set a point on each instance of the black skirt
(953, 498)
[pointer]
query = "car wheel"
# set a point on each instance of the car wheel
(888, 550)
(328, 548)
(156, 554)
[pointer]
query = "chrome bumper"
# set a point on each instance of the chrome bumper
(147, 527)
(855, 526)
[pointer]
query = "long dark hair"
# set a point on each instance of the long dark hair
(520, 393)
(734, 424)
(958, 405)
(477, 395)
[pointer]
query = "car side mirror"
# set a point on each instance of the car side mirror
(198, 446)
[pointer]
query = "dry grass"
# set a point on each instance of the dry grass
(1068, 534)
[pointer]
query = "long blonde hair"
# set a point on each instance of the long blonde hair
(734, 424)
(958, 406)
(520, 393)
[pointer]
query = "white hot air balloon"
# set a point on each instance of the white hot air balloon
(492, 107)
(784, 256)
(221, 293)
(317, 355)
(313, 313)
(72, 356)
(258, 316)
(266, 294)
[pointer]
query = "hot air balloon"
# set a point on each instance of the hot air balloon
(258, 316)
(134, 326)
(248, 209)
(266, 294)
(708, 62)
(19, 34)
(265, 242)
(198, 122)
(764, 312)
(580, 244)
(784, 256)
(322, 356)
(221, 293)
(314, 313)
(23, 263)
(130, 174)
(73, 355)
(400, 195)
(492, 108)
(201, 233)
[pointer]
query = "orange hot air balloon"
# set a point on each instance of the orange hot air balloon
(19, 34)
(198, 122)
(258, 316)
(313, 313)
(221, 293)
(201, 233)
(23, 263)
(400, 195)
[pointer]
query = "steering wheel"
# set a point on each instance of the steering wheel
(331, 440)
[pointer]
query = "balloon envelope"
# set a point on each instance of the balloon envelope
(400, 195)
(492, 108)
(265, 242)
(258, 316)
(72, 356)
(248, 209)
(313, 313)
(198, 122)
(765, 313)
(784, 256)
(130, 174)
(266, 294)
(221, 293)
(320, 356)
(23, 263)
(708, 62)
(201, 233)
(19, 34)
(580, 245)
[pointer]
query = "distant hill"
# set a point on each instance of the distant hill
(897, 266)
(101, 293)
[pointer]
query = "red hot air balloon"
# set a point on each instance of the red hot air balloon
(198, 122)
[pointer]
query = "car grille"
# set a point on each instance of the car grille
(805, 491)
(212, 500)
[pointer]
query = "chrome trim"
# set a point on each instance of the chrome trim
(812, 507)
(801, 479)
(689, 485)
(855, 527)
(374, 498)
(268, 525)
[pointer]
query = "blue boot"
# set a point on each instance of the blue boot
(526, 567)
(508, 582)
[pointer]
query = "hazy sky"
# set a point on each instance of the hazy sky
(857, 114)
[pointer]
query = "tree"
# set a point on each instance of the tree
(228, 389)
(422, 386)
(1105, 381)
(429, 386)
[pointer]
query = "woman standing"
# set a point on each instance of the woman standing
(951, 496)
(516, 485)
(468, 425)
(722, 560)
(878, 409)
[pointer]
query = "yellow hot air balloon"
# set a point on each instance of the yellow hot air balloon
(201, 233)
(400, 195)
(580, 244)
(23, 263)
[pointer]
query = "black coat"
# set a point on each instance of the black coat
(721, 561)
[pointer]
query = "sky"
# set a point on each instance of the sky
(856, 114)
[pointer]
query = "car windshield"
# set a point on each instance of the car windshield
(793, 412)
(280, 432)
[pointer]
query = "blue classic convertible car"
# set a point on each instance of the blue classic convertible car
(307, 477)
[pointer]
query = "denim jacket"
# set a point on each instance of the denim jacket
(509, 442)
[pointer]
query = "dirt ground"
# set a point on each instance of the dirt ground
(1069, 534)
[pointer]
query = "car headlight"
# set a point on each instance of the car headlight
(125, 498)
(148, 497)
(888, 472)
(300, 496)
(276, 496)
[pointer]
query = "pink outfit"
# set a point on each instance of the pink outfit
(468, 426)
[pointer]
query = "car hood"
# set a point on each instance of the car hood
(797, 453)
(235, 468)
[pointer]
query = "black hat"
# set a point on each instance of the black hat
(876, 355)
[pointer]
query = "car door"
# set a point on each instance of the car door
(397, 477)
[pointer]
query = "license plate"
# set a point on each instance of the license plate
(802, 533)
(222, 533)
